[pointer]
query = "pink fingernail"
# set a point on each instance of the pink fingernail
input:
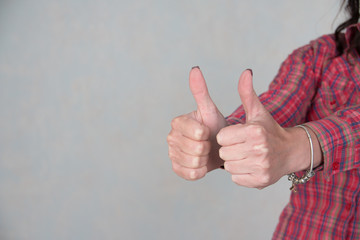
(249, 69)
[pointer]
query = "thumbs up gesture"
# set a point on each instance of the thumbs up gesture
(193, 149)
(259, 152)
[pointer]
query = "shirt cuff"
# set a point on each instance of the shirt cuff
(337, 145)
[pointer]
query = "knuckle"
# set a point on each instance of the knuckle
(265, 180)
(199, 133)
(257, 129)
(219, 137)
(194, 174)
(260, 130)
(201, 148)
(261, 149)
(221, 153)
(196, 162)
(172, 154)
(235, 180)
(228, 167)
(170, 138)
(175, 122)
(265, 164)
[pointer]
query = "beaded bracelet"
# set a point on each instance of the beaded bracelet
(309, 173)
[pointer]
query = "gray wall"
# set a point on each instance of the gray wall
(87, 93)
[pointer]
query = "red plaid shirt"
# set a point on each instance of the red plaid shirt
(315, 87)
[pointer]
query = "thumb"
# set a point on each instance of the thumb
(251, 103)
(200, 91)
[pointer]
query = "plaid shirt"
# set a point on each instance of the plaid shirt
(315, 87)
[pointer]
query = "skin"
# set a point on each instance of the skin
(256, 154)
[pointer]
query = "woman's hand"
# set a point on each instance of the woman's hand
(193, 149)
(259, 152)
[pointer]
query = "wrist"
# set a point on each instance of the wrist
(299, 158)
(309, 173)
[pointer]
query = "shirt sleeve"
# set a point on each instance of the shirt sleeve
(339, 138)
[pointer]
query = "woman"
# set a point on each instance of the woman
(309, 119)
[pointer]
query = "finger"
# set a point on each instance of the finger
(187, 160)
(249, 99)
(231, 135)
(190, 128)
(189, 173)
(246, 180)
(187, 145)
(200, 92)
(239, 167)
(235, 152)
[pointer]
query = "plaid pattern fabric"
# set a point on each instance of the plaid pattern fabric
(315, 87)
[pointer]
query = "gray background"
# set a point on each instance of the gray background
(87, 93)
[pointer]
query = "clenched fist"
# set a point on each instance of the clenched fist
(193, 149)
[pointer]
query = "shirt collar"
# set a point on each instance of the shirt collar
(350, 31)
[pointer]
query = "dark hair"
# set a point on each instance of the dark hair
(352, 8)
